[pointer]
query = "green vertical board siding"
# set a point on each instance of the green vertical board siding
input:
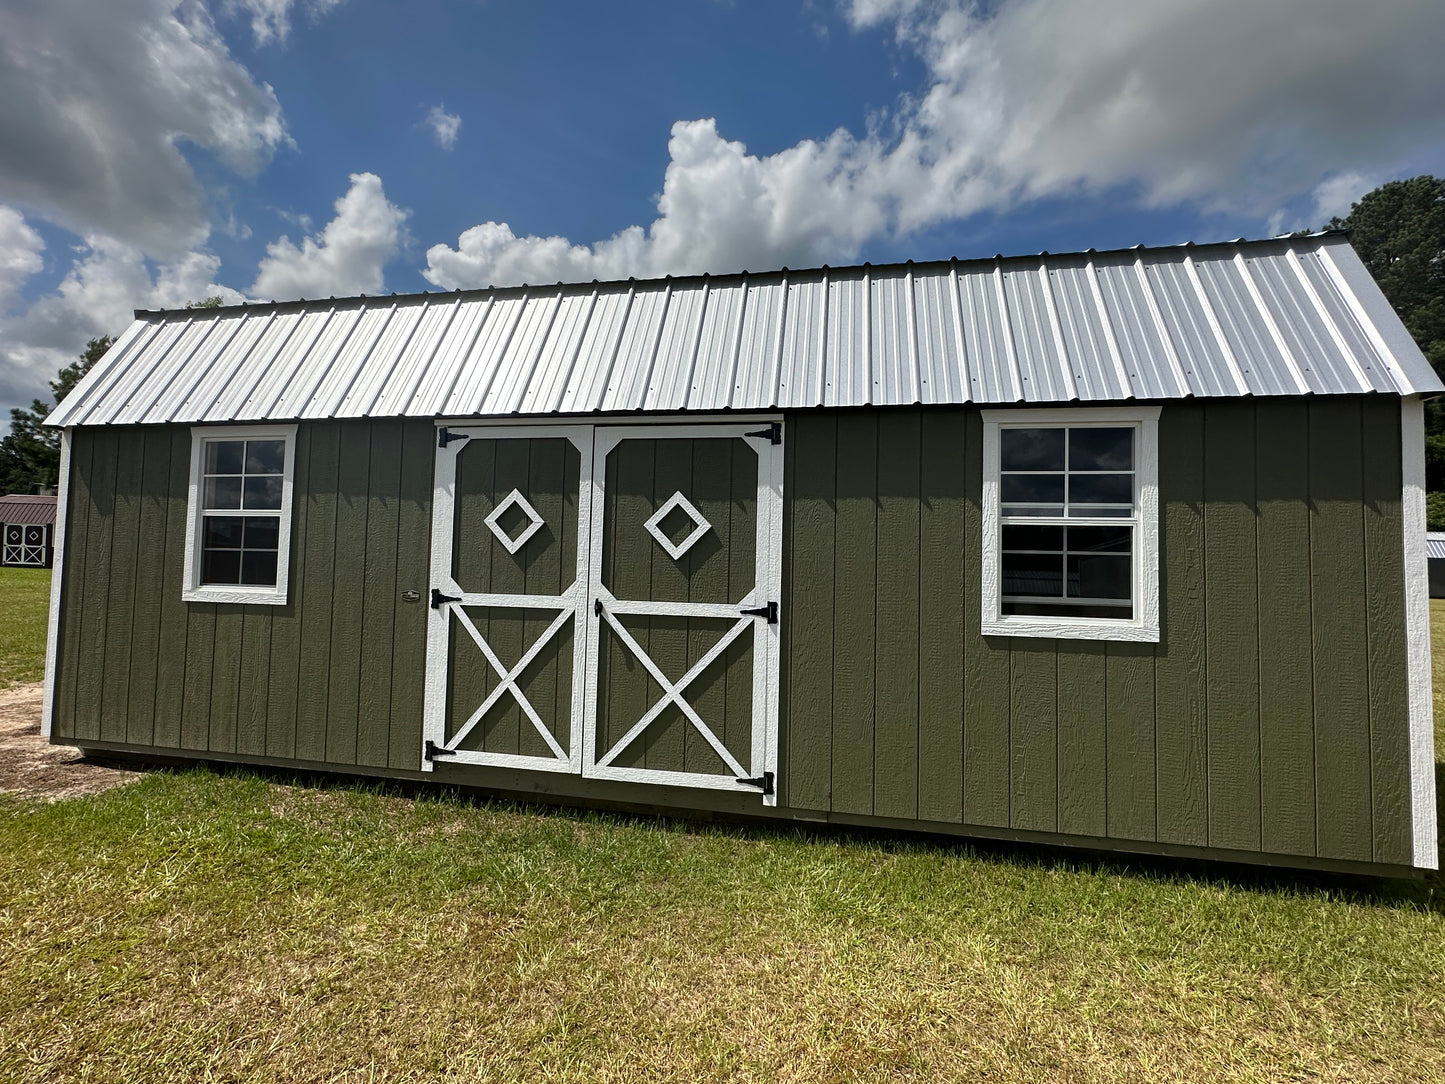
(1286, 678)
(710, 475)
(896, 630)
(199, 647)
(1337, 588)
(96, 618)
(225, 677)
(348, 598)
(855, 593)
(942, 656)
(171, 653)
(253, 692)
(120, 598)
(1179, 668)
(284, 671)
(1083, 726)
(149, 587)
(1385, 632)
(317, 562)
(1033, 736)
(72, 594)
(627, 572)
(986, 723)
(808, 609)
(1231, 627)
(413, 564)
(665, 739)
(545, 563)
(1129, 762)
(379, 603)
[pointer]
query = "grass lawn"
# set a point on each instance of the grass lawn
(24, 610)
(197, 926)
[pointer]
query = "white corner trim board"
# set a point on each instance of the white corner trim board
(57, 575)
(1417, 636)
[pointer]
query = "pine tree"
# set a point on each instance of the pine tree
(30, 455)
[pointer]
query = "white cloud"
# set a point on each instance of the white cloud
(271, 19)
(20, 249)
(107, 282)
(444, 126)
(348, 255)
(95, 100)
(1224, 104)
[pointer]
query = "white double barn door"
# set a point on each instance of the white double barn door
(605, 602)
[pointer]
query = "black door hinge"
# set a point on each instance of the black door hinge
(597, 607)
(433, 750)
(437, 598)
(445, 436)
(763, 782)
(774, 433)
(770, 611)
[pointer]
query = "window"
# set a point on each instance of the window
(1071, 523)
(238, 529)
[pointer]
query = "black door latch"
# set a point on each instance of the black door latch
(770, 611)
(763, 782)
(437, 598)
(774, 433)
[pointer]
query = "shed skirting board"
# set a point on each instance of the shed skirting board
(1417, 631)
(573, 792)
(57, 576)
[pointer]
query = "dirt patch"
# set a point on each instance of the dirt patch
(31, 766)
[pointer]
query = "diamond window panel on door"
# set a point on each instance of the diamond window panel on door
(677, 502)
(534, 522)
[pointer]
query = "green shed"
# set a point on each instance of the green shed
(1110, 549)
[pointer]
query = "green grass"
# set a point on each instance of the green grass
(24, 610)
(201, 926)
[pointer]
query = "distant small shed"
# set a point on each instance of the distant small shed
(27, 523)
(1435, 553)
(1113, 549)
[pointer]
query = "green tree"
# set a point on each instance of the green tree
(1399, 232)
(30, 455)
(215, 301)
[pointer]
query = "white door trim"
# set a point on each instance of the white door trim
(572, 602)
(766, 588)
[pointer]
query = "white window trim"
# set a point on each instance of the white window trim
(193, 590)
(1144, 626)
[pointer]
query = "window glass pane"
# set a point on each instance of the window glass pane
(1033, 538)
(1031, 489)
(1100, 489)
(1099, 576)
(265, 456)
(221, 566)
(1101, 449)
(1100, 539)
(222, 493)
(1033, 574)
(1031, 449)
(221, 532)
(262, 532)
(259, 568)
(224, 456)
(263, 492)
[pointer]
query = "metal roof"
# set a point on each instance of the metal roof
(1435, 545)
(1299, 315)
(27, 508)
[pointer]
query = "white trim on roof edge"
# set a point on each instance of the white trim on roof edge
(1417, 637)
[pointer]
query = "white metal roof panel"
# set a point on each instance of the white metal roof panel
(1292, 316)
(1435, 545)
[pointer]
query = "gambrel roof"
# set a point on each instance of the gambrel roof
(1292, 316)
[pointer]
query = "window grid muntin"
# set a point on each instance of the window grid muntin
(1113, 515)
(241, 512)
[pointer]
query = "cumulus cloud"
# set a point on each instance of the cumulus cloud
(271, 19)
(444, 126)
(20, 249)
(95, 102)
(1229, 105)
(108, 281)
(348, 255)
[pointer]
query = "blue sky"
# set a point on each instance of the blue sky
(157, 151)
